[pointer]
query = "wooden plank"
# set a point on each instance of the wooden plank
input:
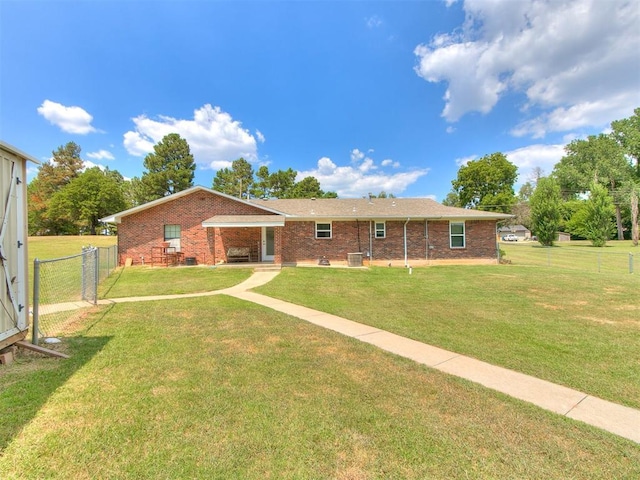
(39, 349)
(13, 339)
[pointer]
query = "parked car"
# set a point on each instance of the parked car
(510, 238)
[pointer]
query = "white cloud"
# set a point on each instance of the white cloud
(214, 137)
(464, 160)
(260, 136)
(575, 61)
(68, 119)
(356, 155)
(366, 165)
(373, 21)
(387, 162)
(535, 156)
(89, 164)
(356, 181)
(527, 159)
(101, 155)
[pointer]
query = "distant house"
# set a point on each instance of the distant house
(208, 227)
(520, 231)
(14, 314)
(563, 237)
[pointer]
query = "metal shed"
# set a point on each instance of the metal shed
(14, 289)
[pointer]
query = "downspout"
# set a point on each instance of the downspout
(406, 263)
(426, 236)
(370, 244)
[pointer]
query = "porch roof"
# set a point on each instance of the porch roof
(244, 221)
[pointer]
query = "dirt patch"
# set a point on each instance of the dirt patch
(550, 307)
(602, 321)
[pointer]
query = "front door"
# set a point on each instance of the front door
(268, 244)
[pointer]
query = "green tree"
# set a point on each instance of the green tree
(487, 183)
(545, 210)
(273, 185)
(597, 159)
(169, 169)
(627, 134)
(282, 182)
(384, 194)
(262, 186)
(89, 197)
(236, 181)
(64, 166)
(594, 221)
(452, 199)
(309, 187)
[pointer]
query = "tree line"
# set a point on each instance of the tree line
(65, 198)
(592, 192)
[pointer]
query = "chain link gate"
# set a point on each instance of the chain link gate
(61, 284)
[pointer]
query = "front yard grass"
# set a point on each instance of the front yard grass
(577, 329)
(218, 388)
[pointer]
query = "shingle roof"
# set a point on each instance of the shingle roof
(329, 208)
(376, 208)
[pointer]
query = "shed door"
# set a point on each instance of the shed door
(13, 311)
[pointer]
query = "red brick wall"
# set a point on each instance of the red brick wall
(300, 245)
(139, 232)
(295, 242)
(480, 239)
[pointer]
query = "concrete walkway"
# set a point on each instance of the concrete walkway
(609, 416)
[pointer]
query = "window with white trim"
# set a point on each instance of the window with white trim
(381, 230)
(171, 232)
(323, 230)
(456, 235)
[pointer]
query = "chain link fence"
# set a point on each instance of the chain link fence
(589, 260)
(61, 285)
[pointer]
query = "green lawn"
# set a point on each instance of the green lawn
(45, 248)
(221, 389)
(616, 257)
(143, 281)
(574, 328)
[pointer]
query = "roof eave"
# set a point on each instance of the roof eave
(16, 151)
(117, 217)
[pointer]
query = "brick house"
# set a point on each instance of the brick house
(209, 227)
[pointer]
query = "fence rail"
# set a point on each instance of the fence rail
(60, 284)
(574, 258)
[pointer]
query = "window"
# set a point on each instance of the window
(171, 232)
(381, 230)
(456, 234)
(323, 230)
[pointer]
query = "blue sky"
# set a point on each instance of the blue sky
(365, 96)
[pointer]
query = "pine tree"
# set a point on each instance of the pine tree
(545, 210)
(170, 169)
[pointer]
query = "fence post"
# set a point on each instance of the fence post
(83, 291)
(36, 301)
(630, 262)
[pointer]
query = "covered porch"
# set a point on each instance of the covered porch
(245, 239)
